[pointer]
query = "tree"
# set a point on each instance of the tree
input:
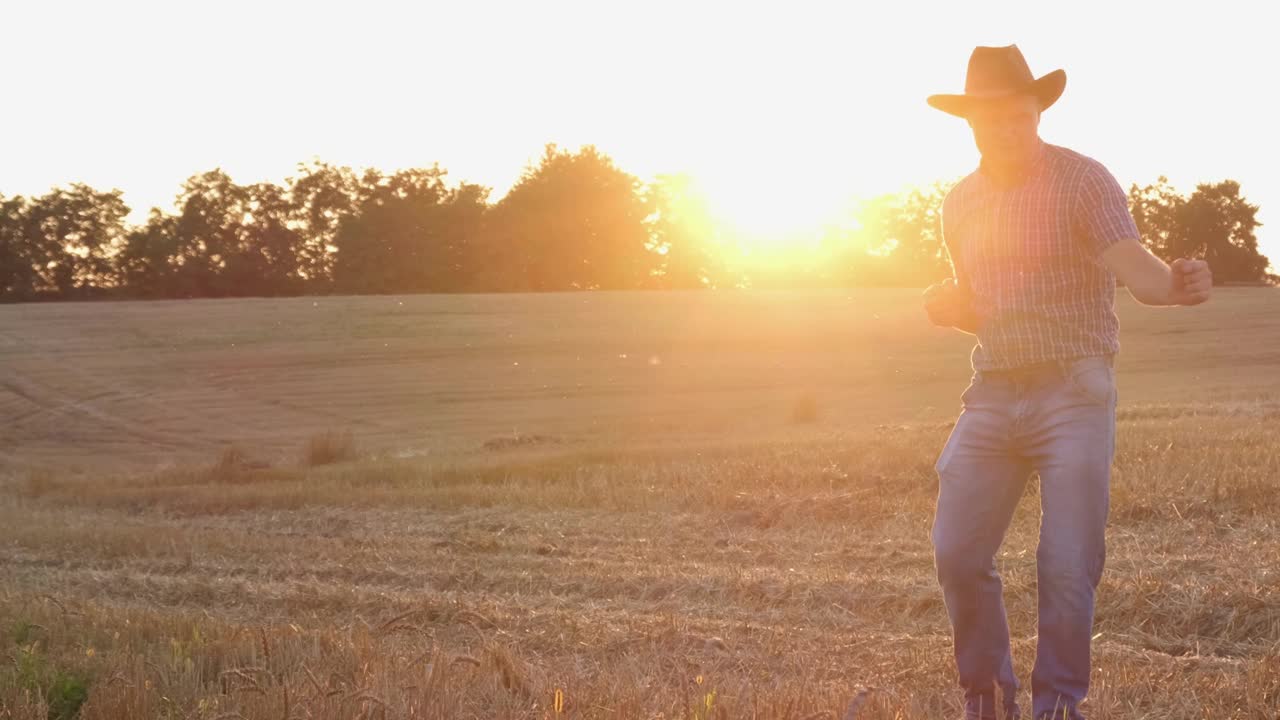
(1155, 209)
(269, 258)
(69, 238)
(897, 241)
(321, 197)
(1220, 224)
(206, 234)
(1215, 223)
(916, 229)
(573, 222)
(149, 263)
(410, 233)
(17, 266)
(682, 232)
(233, 240)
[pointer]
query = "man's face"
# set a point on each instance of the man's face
(1006, 130)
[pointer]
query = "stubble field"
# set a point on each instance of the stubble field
(590, 505)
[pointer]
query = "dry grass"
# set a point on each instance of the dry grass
(776, 570)
(789, 577)
(805, 409)
(518, 440)
(234, 465)
(329, 447)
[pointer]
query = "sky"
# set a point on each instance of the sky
(783, 111)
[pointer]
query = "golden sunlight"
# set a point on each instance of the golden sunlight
(773, 211)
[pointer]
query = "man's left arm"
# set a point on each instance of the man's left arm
(1103, 217)
(1153, 282)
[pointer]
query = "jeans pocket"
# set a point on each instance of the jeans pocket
(949, 449)
(970, 393)
(1097, 385)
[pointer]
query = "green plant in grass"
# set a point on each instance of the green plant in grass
(64, 691)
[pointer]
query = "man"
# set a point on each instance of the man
(1038, 236)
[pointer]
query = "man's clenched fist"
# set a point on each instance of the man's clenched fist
(1192, 282)
(949, 305)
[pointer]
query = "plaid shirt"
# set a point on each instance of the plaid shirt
(1029, 255)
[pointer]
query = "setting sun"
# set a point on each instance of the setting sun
(774, 217)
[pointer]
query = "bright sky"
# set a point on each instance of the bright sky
(783, 110)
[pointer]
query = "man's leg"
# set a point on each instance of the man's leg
(1073, 453)
(979, 484)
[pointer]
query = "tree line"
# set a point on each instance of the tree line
(573, 221)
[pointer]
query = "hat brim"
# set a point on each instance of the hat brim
(1046, 89)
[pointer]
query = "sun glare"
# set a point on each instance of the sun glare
(767, 212)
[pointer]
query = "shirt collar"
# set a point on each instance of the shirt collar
(1018, 178)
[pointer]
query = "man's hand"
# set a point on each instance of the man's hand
(948, 305)
(1192, 281)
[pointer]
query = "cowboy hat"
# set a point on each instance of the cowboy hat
(997, 72)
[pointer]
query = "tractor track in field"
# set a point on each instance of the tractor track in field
(43, 399)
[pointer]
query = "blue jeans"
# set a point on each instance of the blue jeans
(1058, 421)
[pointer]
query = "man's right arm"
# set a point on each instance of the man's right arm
(950, 303)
